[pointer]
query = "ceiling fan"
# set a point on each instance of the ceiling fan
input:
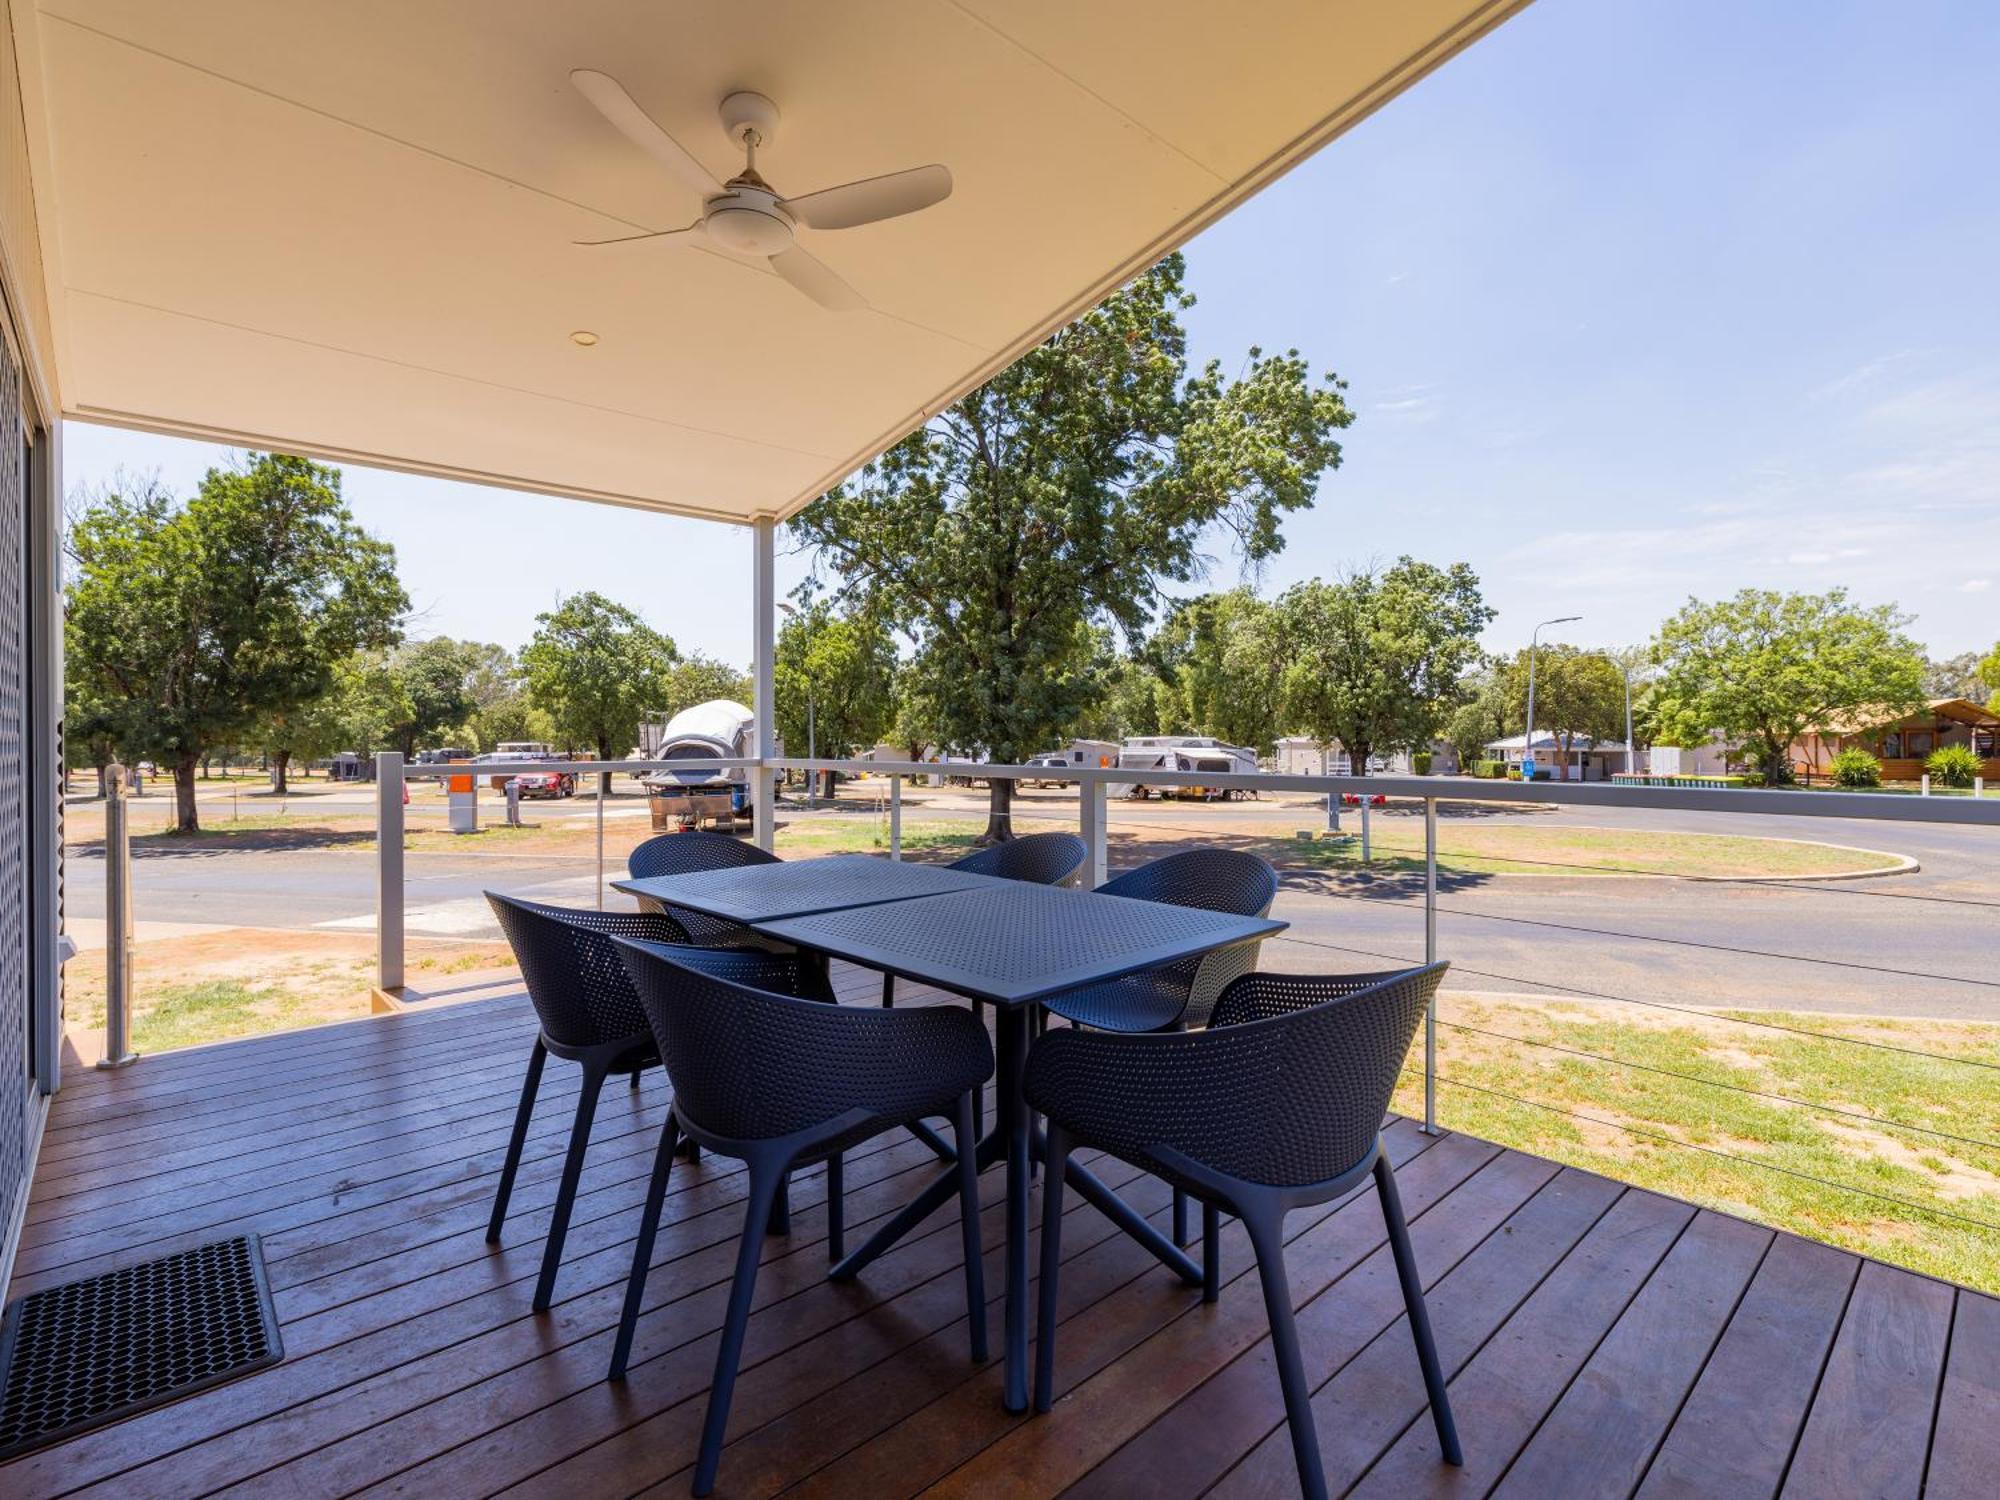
(745, 215)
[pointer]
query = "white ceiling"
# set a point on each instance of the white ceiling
(345, 228)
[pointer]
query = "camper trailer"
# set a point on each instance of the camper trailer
(1078, 754)
(720, 729)
(1183, 752)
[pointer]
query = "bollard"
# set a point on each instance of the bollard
(1367, 851)
(513, 802)
(118, 1051)
(1927, 784)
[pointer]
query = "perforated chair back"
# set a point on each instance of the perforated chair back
(1213, 879)
(576, 981)
(692, 852)
(1286, 1088)
(1038, 859)
(1227, 880)
(749, 1064)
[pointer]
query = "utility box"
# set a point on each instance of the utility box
(462, 801)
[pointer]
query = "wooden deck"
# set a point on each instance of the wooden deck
(1602, 1340)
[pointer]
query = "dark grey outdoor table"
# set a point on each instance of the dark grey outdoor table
(760, 893)
(1015, 946)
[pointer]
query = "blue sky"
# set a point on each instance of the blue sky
(1634, 300)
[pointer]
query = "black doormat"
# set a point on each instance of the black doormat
(79, 1355)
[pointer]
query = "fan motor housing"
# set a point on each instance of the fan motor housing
(748, 222)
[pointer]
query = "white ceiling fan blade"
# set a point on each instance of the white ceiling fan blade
(872, 198)
(633, 239)
(617, 106)
(816, 280)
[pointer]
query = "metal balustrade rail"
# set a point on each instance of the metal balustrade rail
(1093, 822)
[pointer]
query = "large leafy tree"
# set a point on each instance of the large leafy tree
(1765, 667)
(1989, 674)
(205, 619)
(595, 667)
(1062, 493)
(1482, 712)
(1374, 658)
(834, 680)
(702, 679)
(1221, 660)
(436, 682)
(1579, 695)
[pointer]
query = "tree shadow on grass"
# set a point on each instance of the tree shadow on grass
(1308, 869)
(240, 841)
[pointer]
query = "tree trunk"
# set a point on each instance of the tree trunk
(1357, 758)
(603, 777)
(281, 761)
(999, 812)
(103, 781)
(186, 819)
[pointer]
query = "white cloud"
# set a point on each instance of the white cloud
(1975, 585)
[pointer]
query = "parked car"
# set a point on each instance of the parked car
(550, 784)
(1353, 799)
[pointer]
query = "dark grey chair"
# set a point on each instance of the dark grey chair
(590, 1015)
(1180, 994)
(778, 1083)
(690, 853)
(1278, 1104)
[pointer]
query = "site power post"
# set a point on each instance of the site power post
(462, 800)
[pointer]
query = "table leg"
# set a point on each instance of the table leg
(1013, 1120)
(941, 1190)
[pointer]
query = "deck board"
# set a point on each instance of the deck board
(1598, 1337)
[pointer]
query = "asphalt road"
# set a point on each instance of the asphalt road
(1923, 944)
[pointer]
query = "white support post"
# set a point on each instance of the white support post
(389, 870)
(1430, 957)
(1094, 824)
(895, 817)
(1927, 784)
(763, 647)
(1367, 847)
(600, 840)
(118, 1051)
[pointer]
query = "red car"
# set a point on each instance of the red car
(547, 784)
(1353, 799)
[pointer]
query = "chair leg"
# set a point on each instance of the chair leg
(642, 1252)
(765, 1185)
(1211, 1253)
(1267, 1236)
(579, 1140)
(635, 1079)
(836, 1213)
(1180, 1217)
(888, 992)
(781, 1207)
(530, 1086)
(1045, 1311)
(1420, 1318)
(968, 1219)
(979, 1095)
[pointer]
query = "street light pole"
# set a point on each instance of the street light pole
(1534, 642)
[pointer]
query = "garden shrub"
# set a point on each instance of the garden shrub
(1855, 767)
(1421, 762)
(1953, 765)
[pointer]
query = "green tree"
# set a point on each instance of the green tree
(1765, 667)
(1579, 694)
(595, 667)
(1989, 675)
(1483, 712)
(834, 681)
(702, 679)
(1374, 658)
(1061, 494)
(1221, 661)
(206, 619)
(1957, 676)
(435, 677)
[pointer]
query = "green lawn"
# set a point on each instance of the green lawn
(1929, 1172)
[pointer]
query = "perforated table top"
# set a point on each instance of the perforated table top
(758, 893)
(1017, 943)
